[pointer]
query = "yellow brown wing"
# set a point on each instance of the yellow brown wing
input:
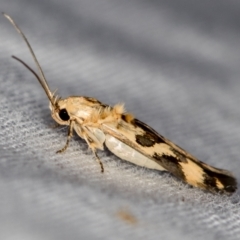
(171, 157)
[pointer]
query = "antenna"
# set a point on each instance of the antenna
(42, 80)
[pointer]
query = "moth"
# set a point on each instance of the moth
(127, 137)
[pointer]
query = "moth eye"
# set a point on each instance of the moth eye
(63, 114)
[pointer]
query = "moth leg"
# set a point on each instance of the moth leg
(93, 138)
(90, 143)
(70, 134)
(99, 161)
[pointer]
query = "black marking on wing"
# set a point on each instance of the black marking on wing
(146, 128)
(211, 177)
(145, 140)
(171, 164)
(150, 136)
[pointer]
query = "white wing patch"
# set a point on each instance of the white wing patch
(127, 153)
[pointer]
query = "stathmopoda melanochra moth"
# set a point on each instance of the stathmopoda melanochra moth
(127, 137)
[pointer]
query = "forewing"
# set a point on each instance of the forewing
(171, 157)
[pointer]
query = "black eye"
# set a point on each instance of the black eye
(63, 114)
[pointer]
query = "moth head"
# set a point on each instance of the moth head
(59, 112)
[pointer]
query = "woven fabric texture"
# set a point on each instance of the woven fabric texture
(176, 66)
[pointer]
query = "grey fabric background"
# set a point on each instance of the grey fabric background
(175, 64)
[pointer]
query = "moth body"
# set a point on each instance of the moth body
(127, 137)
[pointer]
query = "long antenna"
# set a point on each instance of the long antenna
(42, 80)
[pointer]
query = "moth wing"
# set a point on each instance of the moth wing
(129, 154)
(145, 140)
